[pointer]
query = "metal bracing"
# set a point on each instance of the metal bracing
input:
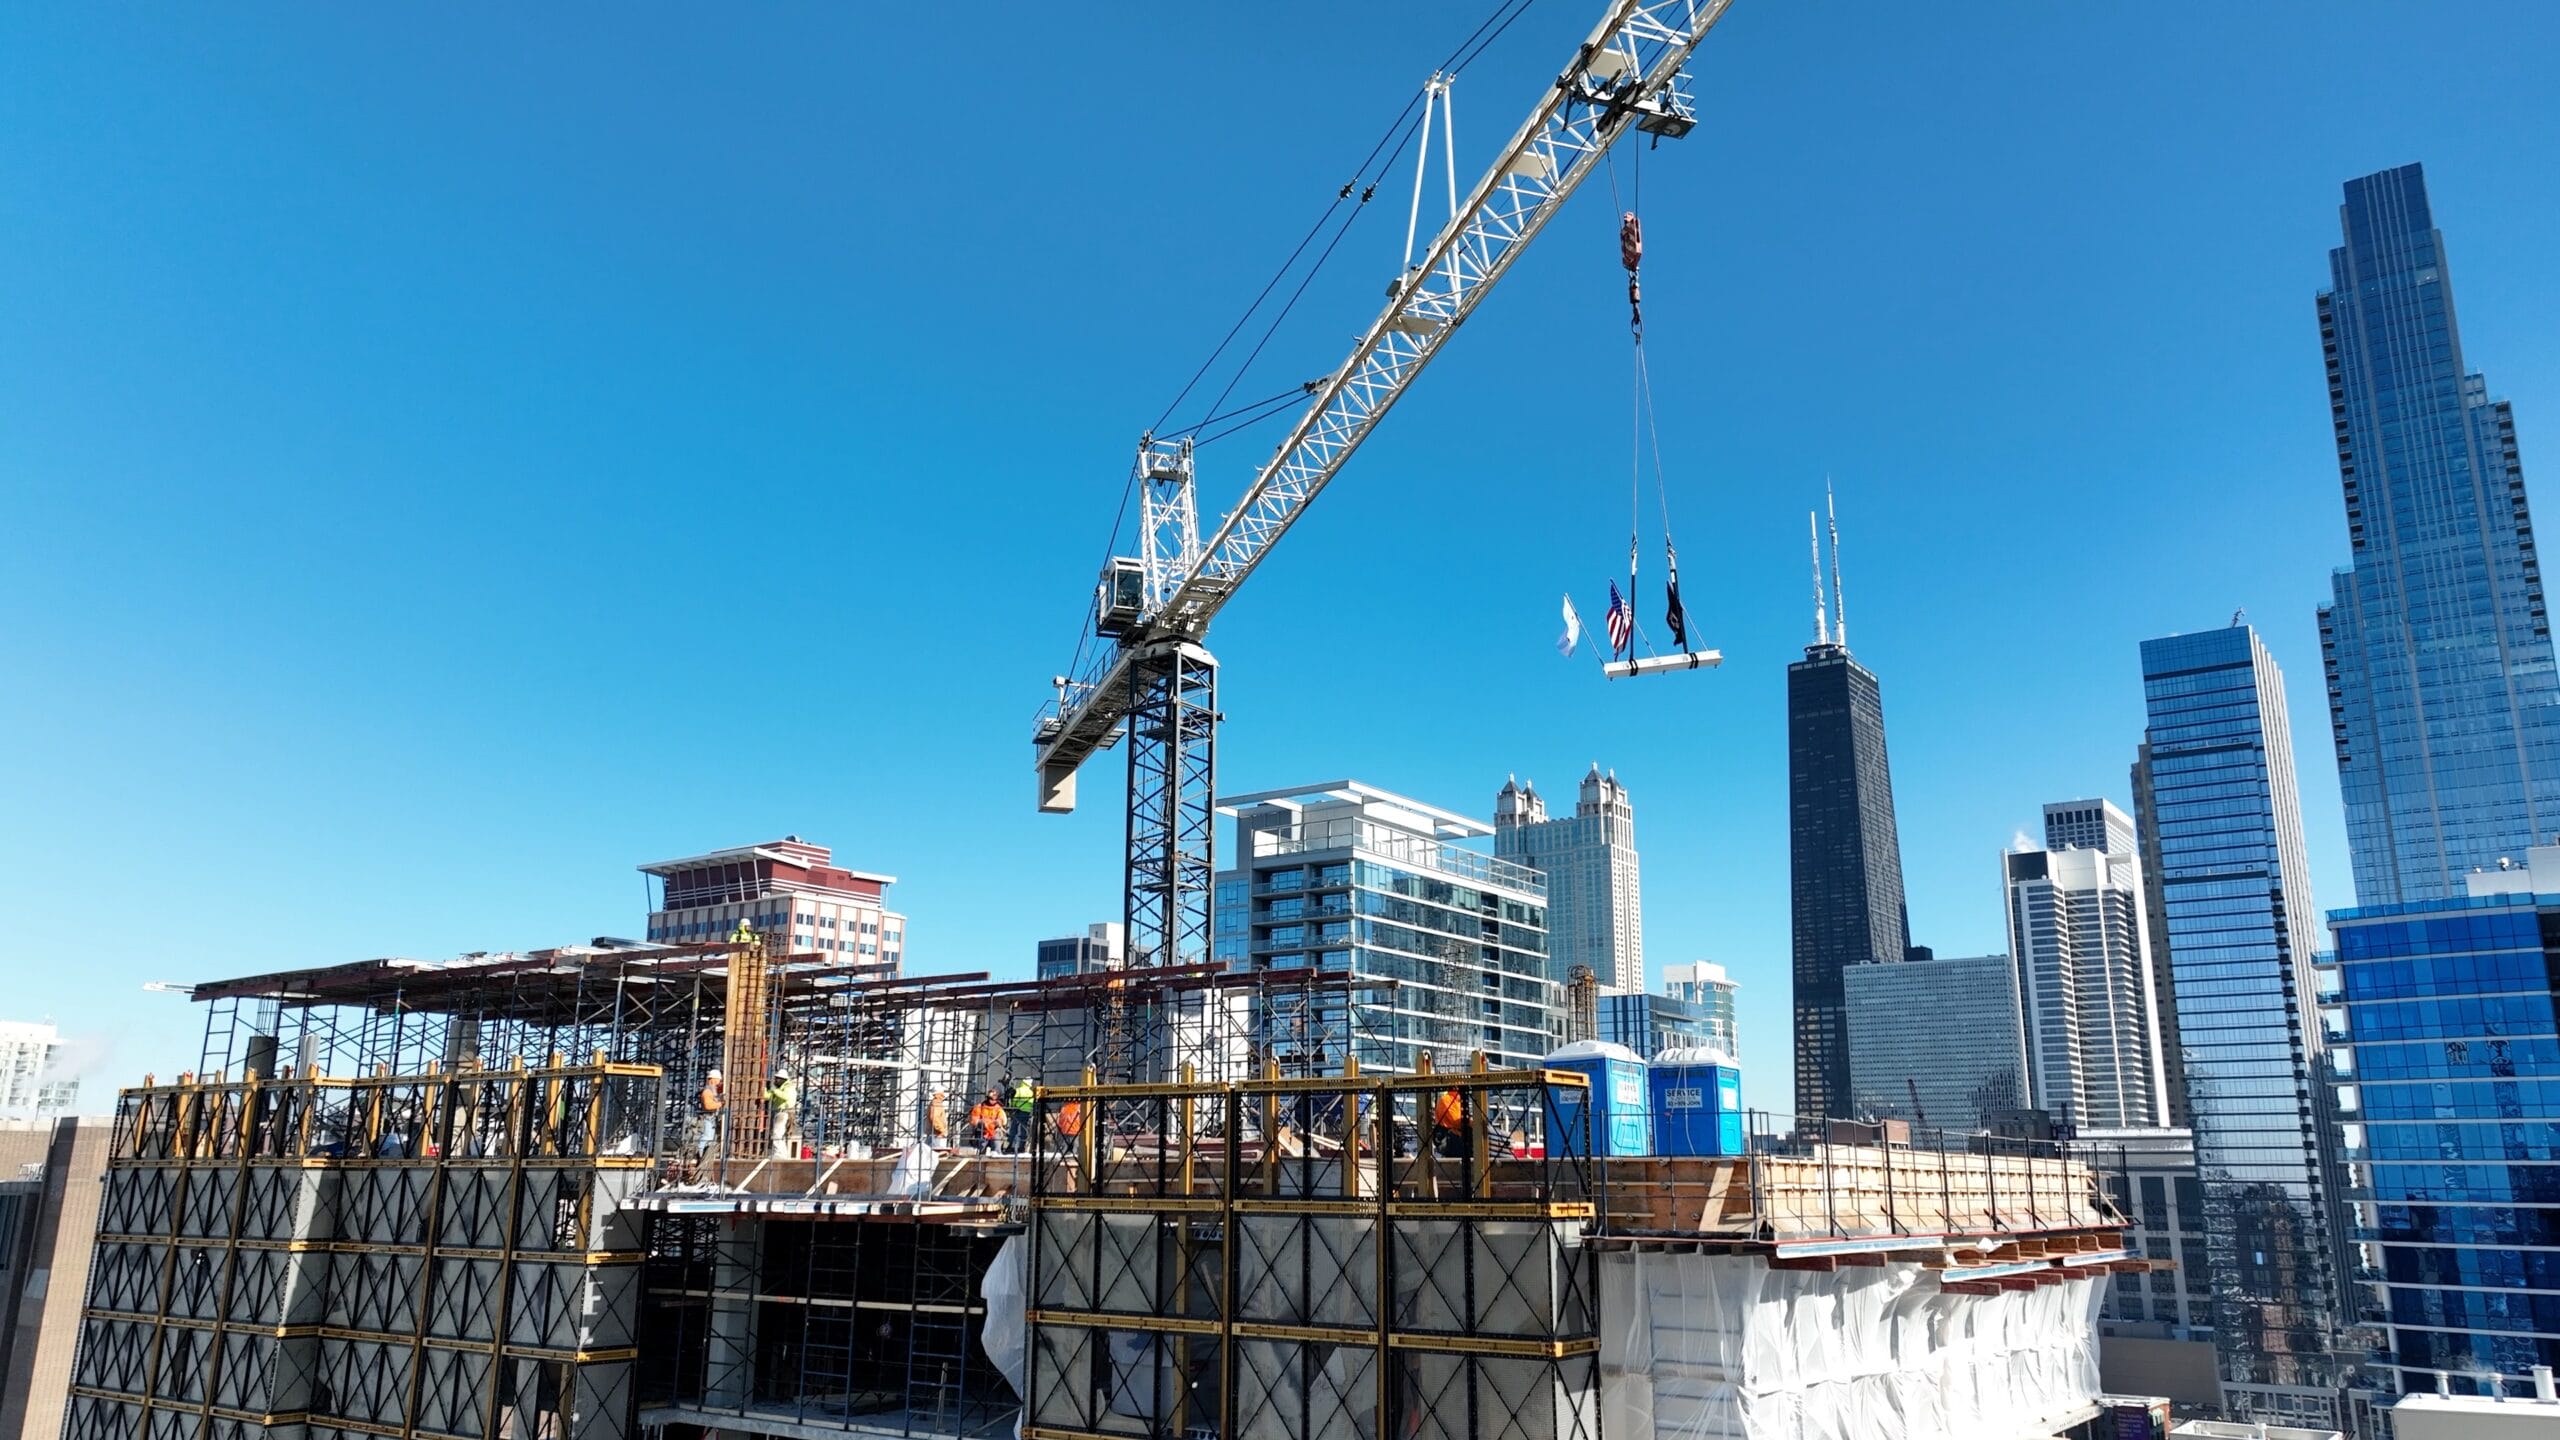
(432, 1254)
(1305, 1259)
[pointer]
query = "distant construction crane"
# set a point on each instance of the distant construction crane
(1919, 1116)
(1156, 685)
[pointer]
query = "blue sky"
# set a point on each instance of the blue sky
(447, 460)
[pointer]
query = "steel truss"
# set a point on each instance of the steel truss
(1314, 1259)
(434, 1254)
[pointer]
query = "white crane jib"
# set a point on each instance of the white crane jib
(1156, 684)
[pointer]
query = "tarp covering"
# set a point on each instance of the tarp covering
(1722, 1347)
(1004, 1332)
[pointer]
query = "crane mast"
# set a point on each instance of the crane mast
(1156, 686)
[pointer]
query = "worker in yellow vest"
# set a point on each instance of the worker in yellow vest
(1017, 1120)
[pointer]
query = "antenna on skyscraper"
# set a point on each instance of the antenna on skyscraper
(1839, 599)
(1821, 616)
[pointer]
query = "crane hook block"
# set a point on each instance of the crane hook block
(1630, 242)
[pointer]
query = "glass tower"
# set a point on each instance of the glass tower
(1443, 947)
(2450, 1117)
(2443, 703)
(1845, 860)
(2236, 889)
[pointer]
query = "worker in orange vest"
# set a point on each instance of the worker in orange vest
(987, 1118)
(1449, 1138)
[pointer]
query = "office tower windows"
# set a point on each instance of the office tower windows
(2237, 893)
(2079, 934)
(2443, 704)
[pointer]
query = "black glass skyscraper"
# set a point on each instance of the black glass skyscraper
(1845, 854)
(2443, 701)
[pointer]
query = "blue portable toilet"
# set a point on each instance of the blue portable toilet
(1697, 1102)
(1617, 1099)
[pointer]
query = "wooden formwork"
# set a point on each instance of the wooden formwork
(1826, 1190)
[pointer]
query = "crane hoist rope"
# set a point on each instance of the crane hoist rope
(1631, 652)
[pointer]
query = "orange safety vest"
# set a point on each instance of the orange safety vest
(1451, 1112)
(1071, 1119)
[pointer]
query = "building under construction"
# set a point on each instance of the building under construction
(508, 1196)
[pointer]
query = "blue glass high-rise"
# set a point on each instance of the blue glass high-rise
(2235, 886)
(2443, 701)
(2453, 1123)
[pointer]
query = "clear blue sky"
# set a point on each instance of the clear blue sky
(447, 459)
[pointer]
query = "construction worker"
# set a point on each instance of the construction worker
(715, 1098)
(1017, 1127)
(1449, 1126)
(986, 1120)
(782, 1115)
(937, 1118)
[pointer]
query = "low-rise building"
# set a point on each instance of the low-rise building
(787, 888)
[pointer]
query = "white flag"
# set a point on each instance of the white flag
(1572, 630)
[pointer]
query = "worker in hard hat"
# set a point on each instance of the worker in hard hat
(937, 1118)
(986, 1120)
(782, 1115)
(714, 1099)
(1017, 1121)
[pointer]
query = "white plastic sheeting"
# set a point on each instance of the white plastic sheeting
(912, 1175)
(1722, 1347)
(1005, 1333)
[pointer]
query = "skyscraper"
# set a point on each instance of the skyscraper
(2078, 932)
(2443, 703)
(1845, 857)
(1594, 914)
(2237, 891)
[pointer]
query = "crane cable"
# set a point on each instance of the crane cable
(1646, 441)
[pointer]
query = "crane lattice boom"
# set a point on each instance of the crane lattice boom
(1629, 70)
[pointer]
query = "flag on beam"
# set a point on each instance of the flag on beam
(1622, 621)
(1572, 637)
(1672, 614)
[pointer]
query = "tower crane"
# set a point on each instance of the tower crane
(1156, 684)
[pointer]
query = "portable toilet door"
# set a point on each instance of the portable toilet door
(1619, 1115)
(1697, 1102)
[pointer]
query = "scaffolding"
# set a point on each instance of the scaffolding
(866, 1058)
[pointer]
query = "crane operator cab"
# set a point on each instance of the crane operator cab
(1120, 596)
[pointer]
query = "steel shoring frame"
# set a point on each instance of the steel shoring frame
(1399, 1289)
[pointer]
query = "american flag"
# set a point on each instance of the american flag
(1622, 621)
